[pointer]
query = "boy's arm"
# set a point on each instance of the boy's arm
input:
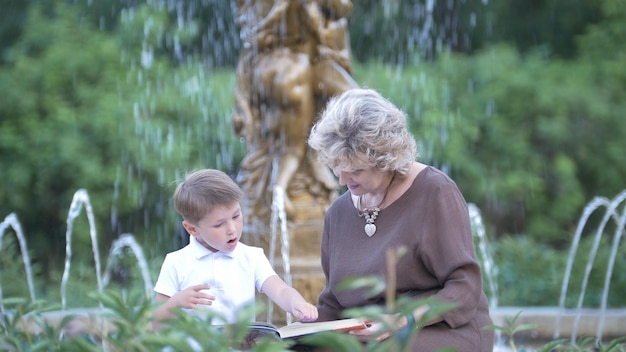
(162, 312)
(188, 298)
(289, 299)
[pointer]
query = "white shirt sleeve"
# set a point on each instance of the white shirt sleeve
(167, 282)
(262, 268)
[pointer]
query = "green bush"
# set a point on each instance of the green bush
(531, 273)
(124, 324)
(81, 110)
(523, 136)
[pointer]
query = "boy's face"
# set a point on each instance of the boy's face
(220, 229)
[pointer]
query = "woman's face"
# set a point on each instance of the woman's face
(362, 181)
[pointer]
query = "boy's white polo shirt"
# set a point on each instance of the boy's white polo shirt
(233, 276)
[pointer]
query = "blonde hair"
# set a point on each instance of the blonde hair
(359, 129)
(204, 190)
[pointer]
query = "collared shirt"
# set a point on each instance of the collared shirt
(232, 276)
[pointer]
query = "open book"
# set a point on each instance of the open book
(299, 329)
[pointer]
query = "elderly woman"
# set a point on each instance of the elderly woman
(394, 201)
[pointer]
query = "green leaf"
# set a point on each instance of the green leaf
(336, 341)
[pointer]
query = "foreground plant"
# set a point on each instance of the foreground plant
(591, 344)
(124, 323)
(399, 340)
(584, 344)
(23, 328)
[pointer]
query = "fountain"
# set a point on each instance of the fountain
(490, 271)
(286, 189)
(620, 219)
(280, 218)
(85, 318)
(554, 322)
(80, 199)
(12, 221)
(294, 57)
(127, 240)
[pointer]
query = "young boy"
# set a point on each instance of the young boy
(215, 270)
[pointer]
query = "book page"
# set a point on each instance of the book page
(299, 329)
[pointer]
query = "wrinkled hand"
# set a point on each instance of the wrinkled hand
(192, 296)
(305, 312)
(380, 330)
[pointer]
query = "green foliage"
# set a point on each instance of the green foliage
(531, 273)
(590, 344)
(95, 97)
(399, 31)
(124, 324)
(598, 41)
(22, 317)
(539, 283)
(597, 275)
(586, 344)
(510, 329)
(13, 282)
(552, 24)
(80, 109)
(525, 138)
(11, 21)
(519, 143)
(45, 126)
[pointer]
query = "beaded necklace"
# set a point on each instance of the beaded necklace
(371, 213)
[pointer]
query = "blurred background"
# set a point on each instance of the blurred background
(522, 102)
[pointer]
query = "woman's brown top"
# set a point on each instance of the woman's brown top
(431, 220)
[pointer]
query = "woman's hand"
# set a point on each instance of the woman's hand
(381, 329)
(389, 324)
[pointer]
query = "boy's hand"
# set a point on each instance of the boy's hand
(193, 296)
(305, 312)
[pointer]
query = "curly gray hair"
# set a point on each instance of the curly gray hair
(360, 129)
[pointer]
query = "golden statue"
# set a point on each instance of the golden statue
(295, 56)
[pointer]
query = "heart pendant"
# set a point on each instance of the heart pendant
(370, 229)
